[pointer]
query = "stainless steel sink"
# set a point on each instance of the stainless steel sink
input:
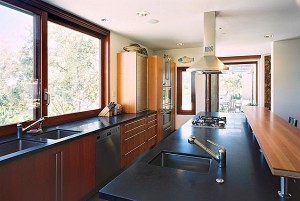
(17, 145)
(182, 161)
(57, 134)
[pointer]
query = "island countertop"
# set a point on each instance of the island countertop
(279, 141)
(247, 175)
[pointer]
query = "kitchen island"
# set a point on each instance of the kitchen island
(246, 176)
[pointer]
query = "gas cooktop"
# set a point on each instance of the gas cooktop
(209, 122)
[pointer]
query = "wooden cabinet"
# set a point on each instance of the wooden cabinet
(64, 172)
(136, 137)
(78, 167)
(29, 178)
(132, 140)
(158, 90)
(132, 81)
(155, 84)
(151, 126)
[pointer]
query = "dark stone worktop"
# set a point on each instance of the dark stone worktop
(85, 126)
(247, 175)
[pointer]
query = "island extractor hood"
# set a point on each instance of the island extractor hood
(209, 63)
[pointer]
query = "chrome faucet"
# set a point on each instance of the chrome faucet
(21, 130)
(220, 157)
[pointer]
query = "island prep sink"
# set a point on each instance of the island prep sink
(17, 145)
(57, 134)
(182, 161)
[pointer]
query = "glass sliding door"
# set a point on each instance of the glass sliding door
(238, 87)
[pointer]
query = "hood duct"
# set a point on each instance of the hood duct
(209, 63)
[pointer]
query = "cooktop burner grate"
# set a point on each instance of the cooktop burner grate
(209, 122)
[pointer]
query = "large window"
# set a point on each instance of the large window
(237, 87)
(52, 63)
(73, 71)
(19, 97)
(185, 92)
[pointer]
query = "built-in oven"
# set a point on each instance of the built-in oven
(167, 108)
(166, 123)
(167, 99)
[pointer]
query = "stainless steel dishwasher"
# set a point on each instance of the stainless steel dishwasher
(107, 154)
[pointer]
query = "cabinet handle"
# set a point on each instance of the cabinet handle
(57, 161)
(152, 126)
(61, 175)
(134, 149)
(56, 175)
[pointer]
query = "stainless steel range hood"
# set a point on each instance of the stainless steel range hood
(209, 63)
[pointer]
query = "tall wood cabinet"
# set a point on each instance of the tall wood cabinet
(159, 90)
(132, 81)
(155, 84)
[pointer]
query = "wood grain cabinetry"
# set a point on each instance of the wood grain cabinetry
(155, 84)
(156, 66)
(132, 81)
(136, 137)
(151, 126)
(64, 172)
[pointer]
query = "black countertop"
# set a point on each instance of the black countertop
(85, 126)
(247, 176)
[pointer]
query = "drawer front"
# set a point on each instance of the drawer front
(134, 131)
(134, 141)
(151, 131)
(130, 156)
(151, 123)
(134, 124)
(152, 141)
(151, 117)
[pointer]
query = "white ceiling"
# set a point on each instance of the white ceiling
(245, 22)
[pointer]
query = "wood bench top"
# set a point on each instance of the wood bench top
(279, 141)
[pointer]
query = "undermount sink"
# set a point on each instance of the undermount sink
(182, 161)
(17, 145)
(57, 134)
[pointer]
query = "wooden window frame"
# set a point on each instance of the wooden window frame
(47, 13)
(179, 93)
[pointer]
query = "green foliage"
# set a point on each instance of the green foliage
(74, 69)
(73, 75)
(16, 75)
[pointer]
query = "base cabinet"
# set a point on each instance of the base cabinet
(64, 172)
(136, 137)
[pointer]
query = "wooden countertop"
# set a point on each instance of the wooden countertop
(279, 141)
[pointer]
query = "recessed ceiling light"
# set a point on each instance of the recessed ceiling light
(269, 36)
(153, 21)
(143, 13)
(180, 44)
(104, 20)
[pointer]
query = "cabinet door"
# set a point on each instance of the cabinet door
(78, 167)
(141, 84)
(29, 178)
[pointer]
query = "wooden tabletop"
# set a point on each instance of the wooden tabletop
(279, 141)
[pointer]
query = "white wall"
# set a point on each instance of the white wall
(285, 83)
(117, 42)
(195, 53)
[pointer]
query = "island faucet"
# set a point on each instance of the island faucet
(21, 130)
(220, 157)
